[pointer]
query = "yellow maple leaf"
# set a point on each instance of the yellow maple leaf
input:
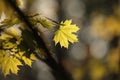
(33, 57)
(65, 34)
(10, 33)
(9, 63)
(13, 31)
(27, 61)
(46, 23)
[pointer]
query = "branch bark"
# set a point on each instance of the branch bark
(57, 69)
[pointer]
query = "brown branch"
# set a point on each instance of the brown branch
(58, 70)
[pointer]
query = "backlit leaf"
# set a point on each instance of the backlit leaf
(65, 34)
(9, 63)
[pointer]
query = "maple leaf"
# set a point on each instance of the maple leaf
(45, 23)
(65, 34)
(9, 63)
(33, 57)
(13, 31)
(27, 61)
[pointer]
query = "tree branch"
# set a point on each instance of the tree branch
(58, 70)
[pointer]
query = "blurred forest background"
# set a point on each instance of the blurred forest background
(97, 54)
